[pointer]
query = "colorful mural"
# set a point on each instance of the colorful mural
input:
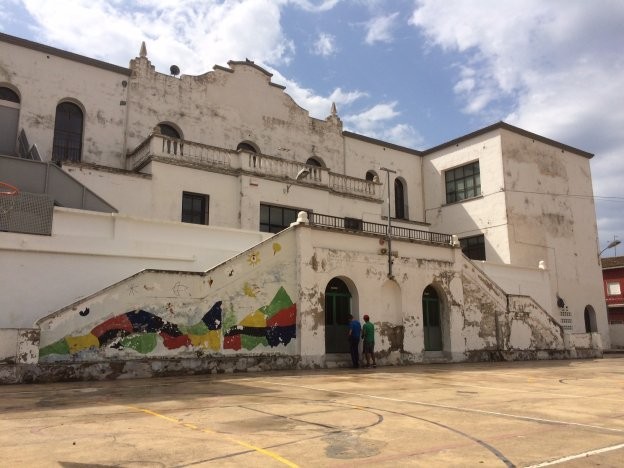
(138, 330)
(270, 325)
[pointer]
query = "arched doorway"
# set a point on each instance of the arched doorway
(337, 310)
(431, 320)
(590, 320)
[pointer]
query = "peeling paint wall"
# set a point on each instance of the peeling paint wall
(243, 304)
(552, 217)
(19, 346)
(482, 215)
(227, 106)
(45, 80)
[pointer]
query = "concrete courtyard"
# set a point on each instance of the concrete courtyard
(567, 413)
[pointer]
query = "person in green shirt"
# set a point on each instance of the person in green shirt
(368, 335)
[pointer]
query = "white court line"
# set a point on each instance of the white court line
(580, 455)
(456, 408)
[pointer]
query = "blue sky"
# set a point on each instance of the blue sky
(412, 72)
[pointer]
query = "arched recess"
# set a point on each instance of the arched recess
(170, 130)
(68, 132)
(340, 301)
(391, 312)
(590, 319)
(315, 161)
(372, 176)
(400, 199)
(9, 119)
(248, 146)
(435, 320)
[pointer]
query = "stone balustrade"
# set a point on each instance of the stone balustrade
(186, 152)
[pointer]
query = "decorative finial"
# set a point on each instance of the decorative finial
(143, 52)
(334, 112)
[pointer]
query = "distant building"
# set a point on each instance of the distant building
(154, 213)
(613, 276)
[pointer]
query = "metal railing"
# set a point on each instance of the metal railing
(397, 232)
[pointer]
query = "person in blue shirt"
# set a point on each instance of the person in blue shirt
(355, 330)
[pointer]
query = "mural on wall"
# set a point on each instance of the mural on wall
(270, 325)
(138, 330)
(154, 326)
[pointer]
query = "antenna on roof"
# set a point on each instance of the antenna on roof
(175, 70)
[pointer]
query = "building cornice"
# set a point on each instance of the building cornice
(374, 141)
(519, 131)
(64, 54)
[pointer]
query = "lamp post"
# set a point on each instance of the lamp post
(613, 243)
(388, 171)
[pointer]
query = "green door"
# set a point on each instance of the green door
(337, 311)
(431, 320)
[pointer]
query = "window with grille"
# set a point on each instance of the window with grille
(67, 144)
(195, 208)
(463, 182)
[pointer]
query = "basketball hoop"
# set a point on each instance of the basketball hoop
(8, 193)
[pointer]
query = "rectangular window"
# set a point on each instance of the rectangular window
(463, 182)
(195, 208)
(276, 218)
(473, 247)
(613, 289)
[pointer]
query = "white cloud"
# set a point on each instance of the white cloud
(371, 117)
(318, 106)
(194, 34)
(377, 122)
(325, 45)
(379, 29)
(556, 67)
(322, 5)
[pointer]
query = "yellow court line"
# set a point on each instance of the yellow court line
(268, 453)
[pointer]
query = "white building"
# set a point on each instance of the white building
(147, 204)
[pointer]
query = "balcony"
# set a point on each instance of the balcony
(166, 149)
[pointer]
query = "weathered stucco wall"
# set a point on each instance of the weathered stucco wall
(228, 106)
(534, 282)
(44, 80)
(363, 156)
(616, 333)
(552, 217)
(481, 215)
(89, 251)
(243, 304)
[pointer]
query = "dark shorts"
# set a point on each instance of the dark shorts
(369, 347)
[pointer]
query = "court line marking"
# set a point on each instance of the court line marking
(579, 455)
(449, 407)
(268, 453)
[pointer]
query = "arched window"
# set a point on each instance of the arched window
(314, 162)
(244, 146)
(590, 320)
(372, 176)
(67, 145)
(9, 119)
(168, 130)
(399, 200)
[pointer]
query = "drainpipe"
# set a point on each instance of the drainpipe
(389, 229)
